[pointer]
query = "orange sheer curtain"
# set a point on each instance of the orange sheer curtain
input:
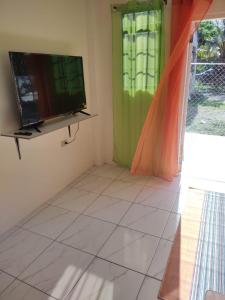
(157, 149)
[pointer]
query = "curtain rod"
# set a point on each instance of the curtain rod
(115, 6)
(164, 1)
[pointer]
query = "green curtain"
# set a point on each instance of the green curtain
(138, 54)
(72, 80)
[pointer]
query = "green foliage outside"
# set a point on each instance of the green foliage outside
(206, 105)
(211, 41)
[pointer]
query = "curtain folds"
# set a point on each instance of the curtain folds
(137, 63)
(157, 150)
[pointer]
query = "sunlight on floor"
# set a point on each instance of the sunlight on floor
(91, 286)
(66, 281)
(204, 156)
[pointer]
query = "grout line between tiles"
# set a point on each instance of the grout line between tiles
(79, 215)
(97, 218)
(153, 256)
(161, 238)
(21, 281)
(32, 214)
(67, 187)
(51, 243)
(83, 271)
(82, 250)
(136, 230)
(14, 279)
(122, 266)
(167, 224)
(152, 277)
(117, 225)
(52, 199)
(51, 203)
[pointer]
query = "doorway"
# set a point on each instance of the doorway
(204, 143)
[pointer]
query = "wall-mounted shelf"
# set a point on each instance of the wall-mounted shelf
(47, 127)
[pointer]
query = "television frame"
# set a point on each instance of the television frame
(18, 98)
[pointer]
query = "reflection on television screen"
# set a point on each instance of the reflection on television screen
(47, 85)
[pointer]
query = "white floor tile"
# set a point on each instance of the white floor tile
(146, 219)
(160, 183)
(19, 250)
(123, 190)
(51, 221)
(106, 281)
(5, 281)
(21, 291)
(67, 188)
(159, 263)
(155, 197)
(31, 215)
(128, 177)
(108, 209)
(171, 227)
(87, 234)
(107, 170)
(78, 179)
(149, 290)
(130, 249)
(61, 271)
(93, 183)
(7, 233)
(75, 200)
(57, 270)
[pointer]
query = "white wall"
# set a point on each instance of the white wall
(217, 9)
(51, 26)
(100, 54)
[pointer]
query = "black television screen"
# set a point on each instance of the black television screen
(47, 85)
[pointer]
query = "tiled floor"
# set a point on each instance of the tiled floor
(106, 237)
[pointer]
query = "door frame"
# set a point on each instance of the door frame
(184, 104)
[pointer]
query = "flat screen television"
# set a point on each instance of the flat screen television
(47, 85)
